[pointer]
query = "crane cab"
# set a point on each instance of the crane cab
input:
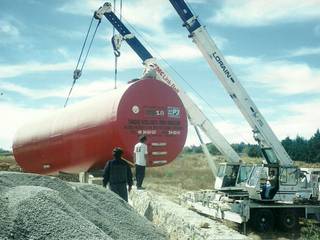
(232, 176)
(279, 183)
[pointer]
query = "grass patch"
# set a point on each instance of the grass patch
(191, 171)
(310, 230)
(188, 171)
(7, 163)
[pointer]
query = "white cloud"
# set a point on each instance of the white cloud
(241, 60)
(171, 44)
(12, 117)
(227, 129)
(281, 76)
(127, 60)
(7, 70)
(8, 29)
(305, 51)
(262, 13)
(303, 120)
(95, 88)
(300, 119)
(236, 132)
(284, 77)
(227, 120)
(180, 52)
(149, 14)
(63, 52)
(90, 89)
(93, 63)
(144, 13)
(86, 8)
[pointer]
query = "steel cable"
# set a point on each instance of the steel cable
(77, 72)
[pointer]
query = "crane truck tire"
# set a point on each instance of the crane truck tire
(288, 219)
(263, 220)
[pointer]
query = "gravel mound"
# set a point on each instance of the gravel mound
(41, 207)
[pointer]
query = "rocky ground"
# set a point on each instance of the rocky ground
(180, 222)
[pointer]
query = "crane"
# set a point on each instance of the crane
(293, 185)
(289, 185)
(197, 118)
(295, 192)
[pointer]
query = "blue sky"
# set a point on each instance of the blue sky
(273, 47)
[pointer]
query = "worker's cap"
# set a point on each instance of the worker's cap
(117, 151)
(143, 138)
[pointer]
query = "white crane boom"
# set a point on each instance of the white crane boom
(271, 147)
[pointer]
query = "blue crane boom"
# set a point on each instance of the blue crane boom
(133, 42)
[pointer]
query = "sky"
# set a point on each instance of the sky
(272, 46)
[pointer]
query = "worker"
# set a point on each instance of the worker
(230, 179)
(118, 174)
(271, 184)
(140, 155)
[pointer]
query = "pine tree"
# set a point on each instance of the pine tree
(314, 147)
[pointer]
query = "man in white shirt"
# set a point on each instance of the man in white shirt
(140, 155)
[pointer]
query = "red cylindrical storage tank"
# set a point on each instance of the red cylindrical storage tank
(81, 137)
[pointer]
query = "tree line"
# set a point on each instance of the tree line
(299, 149)
(5, 152)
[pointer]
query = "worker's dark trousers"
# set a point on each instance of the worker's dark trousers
(120, 189)
(140, 171)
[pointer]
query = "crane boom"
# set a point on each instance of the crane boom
(196, 116)
(271, 147)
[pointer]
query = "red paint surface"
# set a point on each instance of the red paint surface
(81, 137)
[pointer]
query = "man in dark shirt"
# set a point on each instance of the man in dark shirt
(118, 174)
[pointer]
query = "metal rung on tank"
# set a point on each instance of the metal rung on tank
(160, 161)
(159, 144)
(159, 153)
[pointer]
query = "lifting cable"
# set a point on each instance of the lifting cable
(116, 43)
(77, 72)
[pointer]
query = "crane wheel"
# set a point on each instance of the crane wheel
(288, 219)
(263, 220)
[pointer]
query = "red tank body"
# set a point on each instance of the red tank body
(81, 137)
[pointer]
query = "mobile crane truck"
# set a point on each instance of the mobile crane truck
(295, 192)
